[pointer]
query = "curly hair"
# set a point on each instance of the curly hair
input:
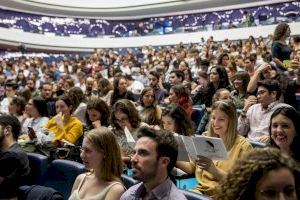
(280, 30)
(241, 181)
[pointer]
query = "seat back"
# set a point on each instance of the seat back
(193, 196)
(128, 181)
(61, 175)
(38, 165)
(38, 192)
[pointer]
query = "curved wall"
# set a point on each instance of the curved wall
(13, 37)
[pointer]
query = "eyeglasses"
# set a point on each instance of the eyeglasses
(261, 92)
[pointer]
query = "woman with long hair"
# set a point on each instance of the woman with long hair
(120, 90)
(101, 155)
(218, 78)
(239, 94)
(223, 124)
(181, 95)
(175, 119)
(97, 114)
(281, 51)
(36, 114)
(149, 111)
(105, 90)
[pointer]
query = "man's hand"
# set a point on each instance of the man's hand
(251, 100)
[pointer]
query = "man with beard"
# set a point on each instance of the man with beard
(155, 155)
(14, 164)
(159, 91)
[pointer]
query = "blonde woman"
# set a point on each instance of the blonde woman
(223, 124)
(101, 155)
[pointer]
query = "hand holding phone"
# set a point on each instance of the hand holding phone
(31, 133)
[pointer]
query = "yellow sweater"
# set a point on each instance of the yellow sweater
(71, 131)
(207, 183)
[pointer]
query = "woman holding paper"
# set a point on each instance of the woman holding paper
(124, 115)
(223, 124)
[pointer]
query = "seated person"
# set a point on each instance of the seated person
(261, 174)
(223, 124)
(255, 118)
(64, 126)
(36, 115)
(14, 164)
(101, 155)
(154, 157)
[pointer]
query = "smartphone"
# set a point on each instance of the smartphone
(31, 133)
(287, 63)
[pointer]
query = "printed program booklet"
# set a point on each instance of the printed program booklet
(189, 147)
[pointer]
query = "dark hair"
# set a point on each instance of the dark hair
(116, 92)
(77, 96)
(102, 108)
(104, 86)
(221, 57)
(8, 120)
(178, 73)
(244, 76)
(166, 144)
(154, 73)
(270, 85)
(41, 106)
(294, 116)
(11, 84)
(20, 102)
(68, 101)
(127, 107)
(184, 125)
(280, 30)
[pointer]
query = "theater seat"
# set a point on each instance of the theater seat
(128, 181)
(37, 192)
(38, 165)
(62, 174)
(194, 196)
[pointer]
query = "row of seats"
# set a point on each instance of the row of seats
(61, 174)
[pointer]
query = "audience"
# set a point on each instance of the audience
(259, 81)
